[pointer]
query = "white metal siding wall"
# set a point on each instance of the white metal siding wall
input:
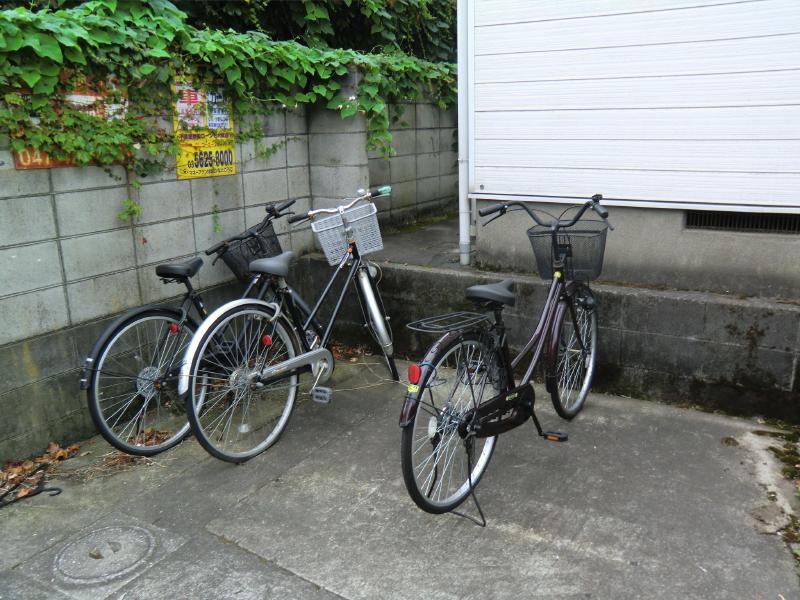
(671, 103)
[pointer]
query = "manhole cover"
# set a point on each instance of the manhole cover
(105, 554)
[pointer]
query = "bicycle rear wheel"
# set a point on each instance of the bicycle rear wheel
(574, 364)
(132, 395)
(232, 414)
(439, 467)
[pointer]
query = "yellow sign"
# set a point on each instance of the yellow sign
(204, 127)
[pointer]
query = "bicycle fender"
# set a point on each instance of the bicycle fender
(91, 358)
(186, 363)
(414, 392)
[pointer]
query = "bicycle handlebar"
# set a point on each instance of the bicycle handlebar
(593, 203)
(383, 190)
(273, 212)
(296, 218)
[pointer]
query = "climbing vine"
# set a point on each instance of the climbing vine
(130, 51)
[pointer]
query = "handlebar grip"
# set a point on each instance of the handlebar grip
(296, 218)
(383, 190)
(490, 210)
(600, 210)
(285, 205)
(215, 248)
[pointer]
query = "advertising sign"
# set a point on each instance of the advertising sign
(204, 128)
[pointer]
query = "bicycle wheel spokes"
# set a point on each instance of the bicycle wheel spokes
(135, 401)
(236, 416)
(436, 466)
(577, 354)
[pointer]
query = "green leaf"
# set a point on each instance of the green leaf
(225, 62)
(13, 43)
(287, 74)
(45, 85)
(349, 111)
(233, 74)
(146, 69)
(49, 48)
(30, 76)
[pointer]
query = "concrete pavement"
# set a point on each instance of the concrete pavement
(644, 501)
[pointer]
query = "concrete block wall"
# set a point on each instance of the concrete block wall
(68, 265)
(424, 171)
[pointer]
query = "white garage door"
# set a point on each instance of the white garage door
(671, 103)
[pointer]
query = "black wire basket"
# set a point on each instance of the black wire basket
(241, 253)
(584, 244)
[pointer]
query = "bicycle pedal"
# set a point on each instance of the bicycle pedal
(555, 436)
(322, 395)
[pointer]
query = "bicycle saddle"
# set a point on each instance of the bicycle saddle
(182, 270)
(274, 265)
(502, 291)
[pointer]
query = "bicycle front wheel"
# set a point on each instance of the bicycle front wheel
(233, 415)
(576, 356)
(132, 394)
(440, 468)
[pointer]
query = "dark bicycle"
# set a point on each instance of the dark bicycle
(130, 375)
(241, 370)
(463, 394)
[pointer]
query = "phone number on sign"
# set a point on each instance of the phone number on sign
(208, 159)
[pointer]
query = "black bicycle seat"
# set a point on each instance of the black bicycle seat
(274, 265)
(182, 270)
(502, 292)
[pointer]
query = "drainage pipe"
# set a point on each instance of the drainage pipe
(463, 134)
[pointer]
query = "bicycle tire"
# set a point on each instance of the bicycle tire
(572, 369)
(232, 349)
(421, 477)
(375, 315)
(141, 372)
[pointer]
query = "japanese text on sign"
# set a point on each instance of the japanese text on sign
(205, 132)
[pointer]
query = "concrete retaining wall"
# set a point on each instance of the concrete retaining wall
(740, 356)
(68, 264)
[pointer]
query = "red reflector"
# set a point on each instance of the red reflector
(266, 340)
(173, 328)
(413, 373)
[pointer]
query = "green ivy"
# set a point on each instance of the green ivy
(130, 209)
(138, 46)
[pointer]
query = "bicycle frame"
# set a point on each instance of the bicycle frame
(506, 411)
(299, 314)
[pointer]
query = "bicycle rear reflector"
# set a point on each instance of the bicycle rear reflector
(173, 328)
(266, 340)
(414, 373)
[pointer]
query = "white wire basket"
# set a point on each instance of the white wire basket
(365, 232)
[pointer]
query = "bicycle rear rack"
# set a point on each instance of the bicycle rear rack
(454, 321)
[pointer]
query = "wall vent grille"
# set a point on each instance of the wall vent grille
(752, 222)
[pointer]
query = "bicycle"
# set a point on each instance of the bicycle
(241, 370)
(445, 405)
(130, 374)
